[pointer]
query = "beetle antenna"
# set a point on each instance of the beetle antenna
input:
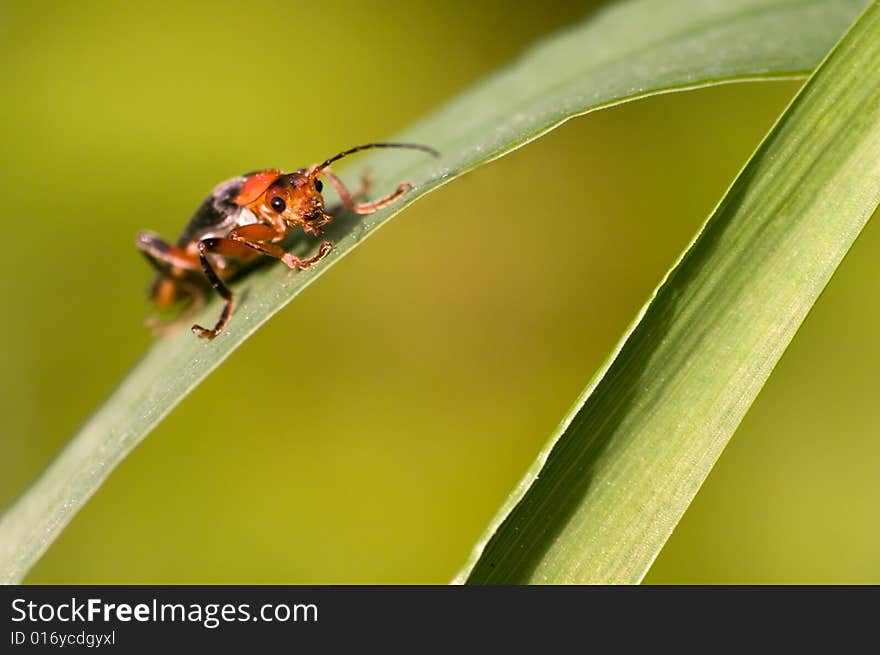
(367, 146)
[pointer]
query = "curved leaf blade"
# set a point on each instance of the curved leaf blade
(632, 454)
(620, 54)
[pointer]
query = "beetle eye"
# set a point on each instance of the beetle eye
(277, 204)
(319, 185)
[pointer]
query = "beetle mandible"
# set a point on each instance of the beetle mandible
(247, 217)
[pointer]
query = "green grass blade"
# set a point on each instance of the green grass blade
(644, 435)
(632, 50)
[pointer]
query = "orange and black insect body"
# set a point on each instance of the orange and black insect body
(245, 218)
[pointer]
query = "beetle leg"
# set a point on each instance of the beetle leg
(228, 248)
(365, 183)
(290, 260)
(163, 256)
(171, 262)
(195, 296)
(364, 207)
(237, 245)
(170, 284)
(361, 192)
(257, 236)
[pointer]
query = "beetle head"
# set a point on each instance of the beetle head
(286, 200)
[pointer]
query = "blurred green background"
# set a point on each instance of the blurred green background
(453, 341)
